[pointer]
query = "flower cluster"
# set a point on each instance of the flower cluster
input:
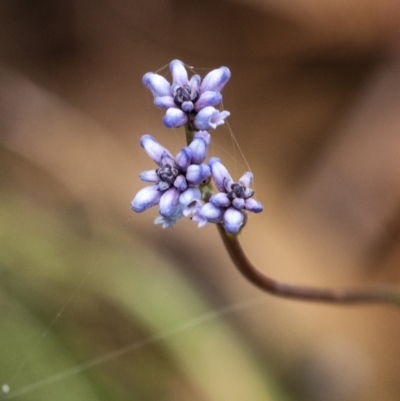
(189, 101)
(181, 184)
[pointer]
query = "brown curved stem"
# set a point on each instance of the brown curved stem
(387, 294)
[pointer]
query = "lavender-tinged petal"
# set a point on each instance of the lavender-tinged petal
(153, 148)
(157, 84)
(208, 99)
(253, 206)
(149, 176)
(194, 83)
(166, 222)
(219, 118)
(146, 198)
(175, 118)
(180, 183)
(199, 219)
(220, 200)
(169, 221)
(248, 193)
(238, 203)
(203, 119)
(189, 196)
(184, 158)
(166, 158)
(203, 135)
(228, 184)
(187, 107)
(246, 179)
(199, 150)
(212, 213)
(196, 174)
(220, 173)
(215, 80)
(209, 117)
(233, 220)
(164, 102)
(178, 72)
(168, 201)
(163, 186)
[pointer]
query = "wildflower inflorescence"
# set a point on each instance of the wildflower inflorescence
(181, 185)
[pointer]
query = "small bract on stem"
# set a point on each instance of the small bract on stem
(182, 186)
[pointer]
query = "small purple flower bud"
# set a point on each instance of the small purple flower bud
(187, 107)
(208, 99)
(212, 213)
(184, 158)
(149, 176)
(146, 198)
(168, 201)
(178, 72)
(233, 220)
(153, 148)
(164, 102)
(196, 174)
(253, 206)
(157, 84)
(199, 149)
(215, 80)
(220, 200)
(175, 118)
(219, 172)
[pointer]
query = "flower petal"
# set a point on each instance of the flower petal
(215, 80)
(174, 118)
(233, 220)
(238, 203)
(180, 183)
(146, 198)
(184, 158)
(209, 117)
(208, 99)
(187, 107)
(158, 85)
(149, 176)
(194, 83)
(212, 213)
(190, 195)
(199, 150)
(168, 201)
(246, 179)
(178, 72)
(204, 135)
(253, 206)
(220, 200)
(169, 221)
(196, 174)
(220, 173)
(164, 102)
(153, 148)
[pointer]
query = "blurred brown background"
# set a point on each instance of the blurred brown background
(314, 100)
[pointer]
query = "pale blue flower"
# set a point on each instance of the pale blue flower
(209, 117)
(176, 180)
(185, 97)
(229, 206)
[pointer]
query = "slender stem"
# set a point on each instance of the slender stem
(386, 294)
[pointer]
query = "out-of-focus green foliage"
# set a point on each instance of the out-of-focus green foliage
(101, 317)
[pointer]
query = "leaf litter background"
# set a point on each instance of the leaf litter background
(99, 304)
